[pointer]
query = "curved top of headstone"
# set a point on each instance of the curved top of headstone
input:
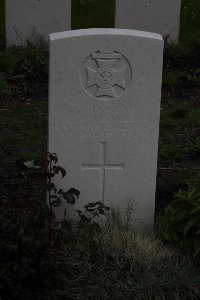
(104, 31)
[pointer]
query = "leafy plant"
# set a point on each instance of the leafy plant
(172, 78)
(87, 219)
(25, 260)
(171, 152)
(24, 70)
(181, 65)
(179, 112)
(10, 60)
(31, 60)
(5, 88)
(180, 223)
(56, 196)
(193, 147)
(34, 60)
(30, 237)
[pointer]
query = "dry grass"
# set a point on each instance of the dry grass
(121, 264)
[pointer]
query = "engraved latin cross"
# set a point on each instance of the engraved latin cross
(103, 166)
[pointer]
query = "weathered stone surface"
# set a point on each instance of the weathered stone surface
(25, 19)
(160, 16)
(104, 112)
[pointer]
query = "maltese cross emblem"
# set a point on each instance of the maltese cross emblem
(107, 74)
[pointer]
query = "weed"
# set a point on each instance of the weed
(55, 197)
(87, 220)
(171, 152)
(34, 59)
(179, 112)
(5, 88)
(181, 65)
(30, 235)
(123, 264)
(32, 238)
(31, 60)
(193, 148)
(92, 13)
(180, 223)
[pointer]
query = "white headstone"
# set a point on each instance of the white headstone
(160, 16)
(104, 108)
(25, 19)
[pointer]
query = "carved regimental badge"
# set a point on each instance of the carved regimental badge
(105, 74)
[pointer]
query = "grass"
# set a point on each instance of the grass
(178, 157)
(81, 262)
(28, 120)
(92, 14)
(190, 20)
(182, 115)
(120, 264)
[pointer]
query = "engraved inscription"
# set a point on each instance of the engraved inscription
(112, 112)
(112, 130)
(105, 74)
(101, 112)
(103, 166)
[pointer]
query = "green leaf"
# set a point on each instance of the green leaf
(189, 225)
(167, 237)
(29, 164)
(69, 197)
(170, 209)
(79, 212)
(66, 225)
(101, 211)
(175, 236)
(191, 193)
(197, 252)
(53, 197)
(172, 218)
(197, 246)
(181, 215)
(51, 186)
(52, 157)
(92, 205)
(195, 210)
(96, 227)
(57, 169)
(60, 192)
(74, 191)
(57, 202)
(62, 171)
